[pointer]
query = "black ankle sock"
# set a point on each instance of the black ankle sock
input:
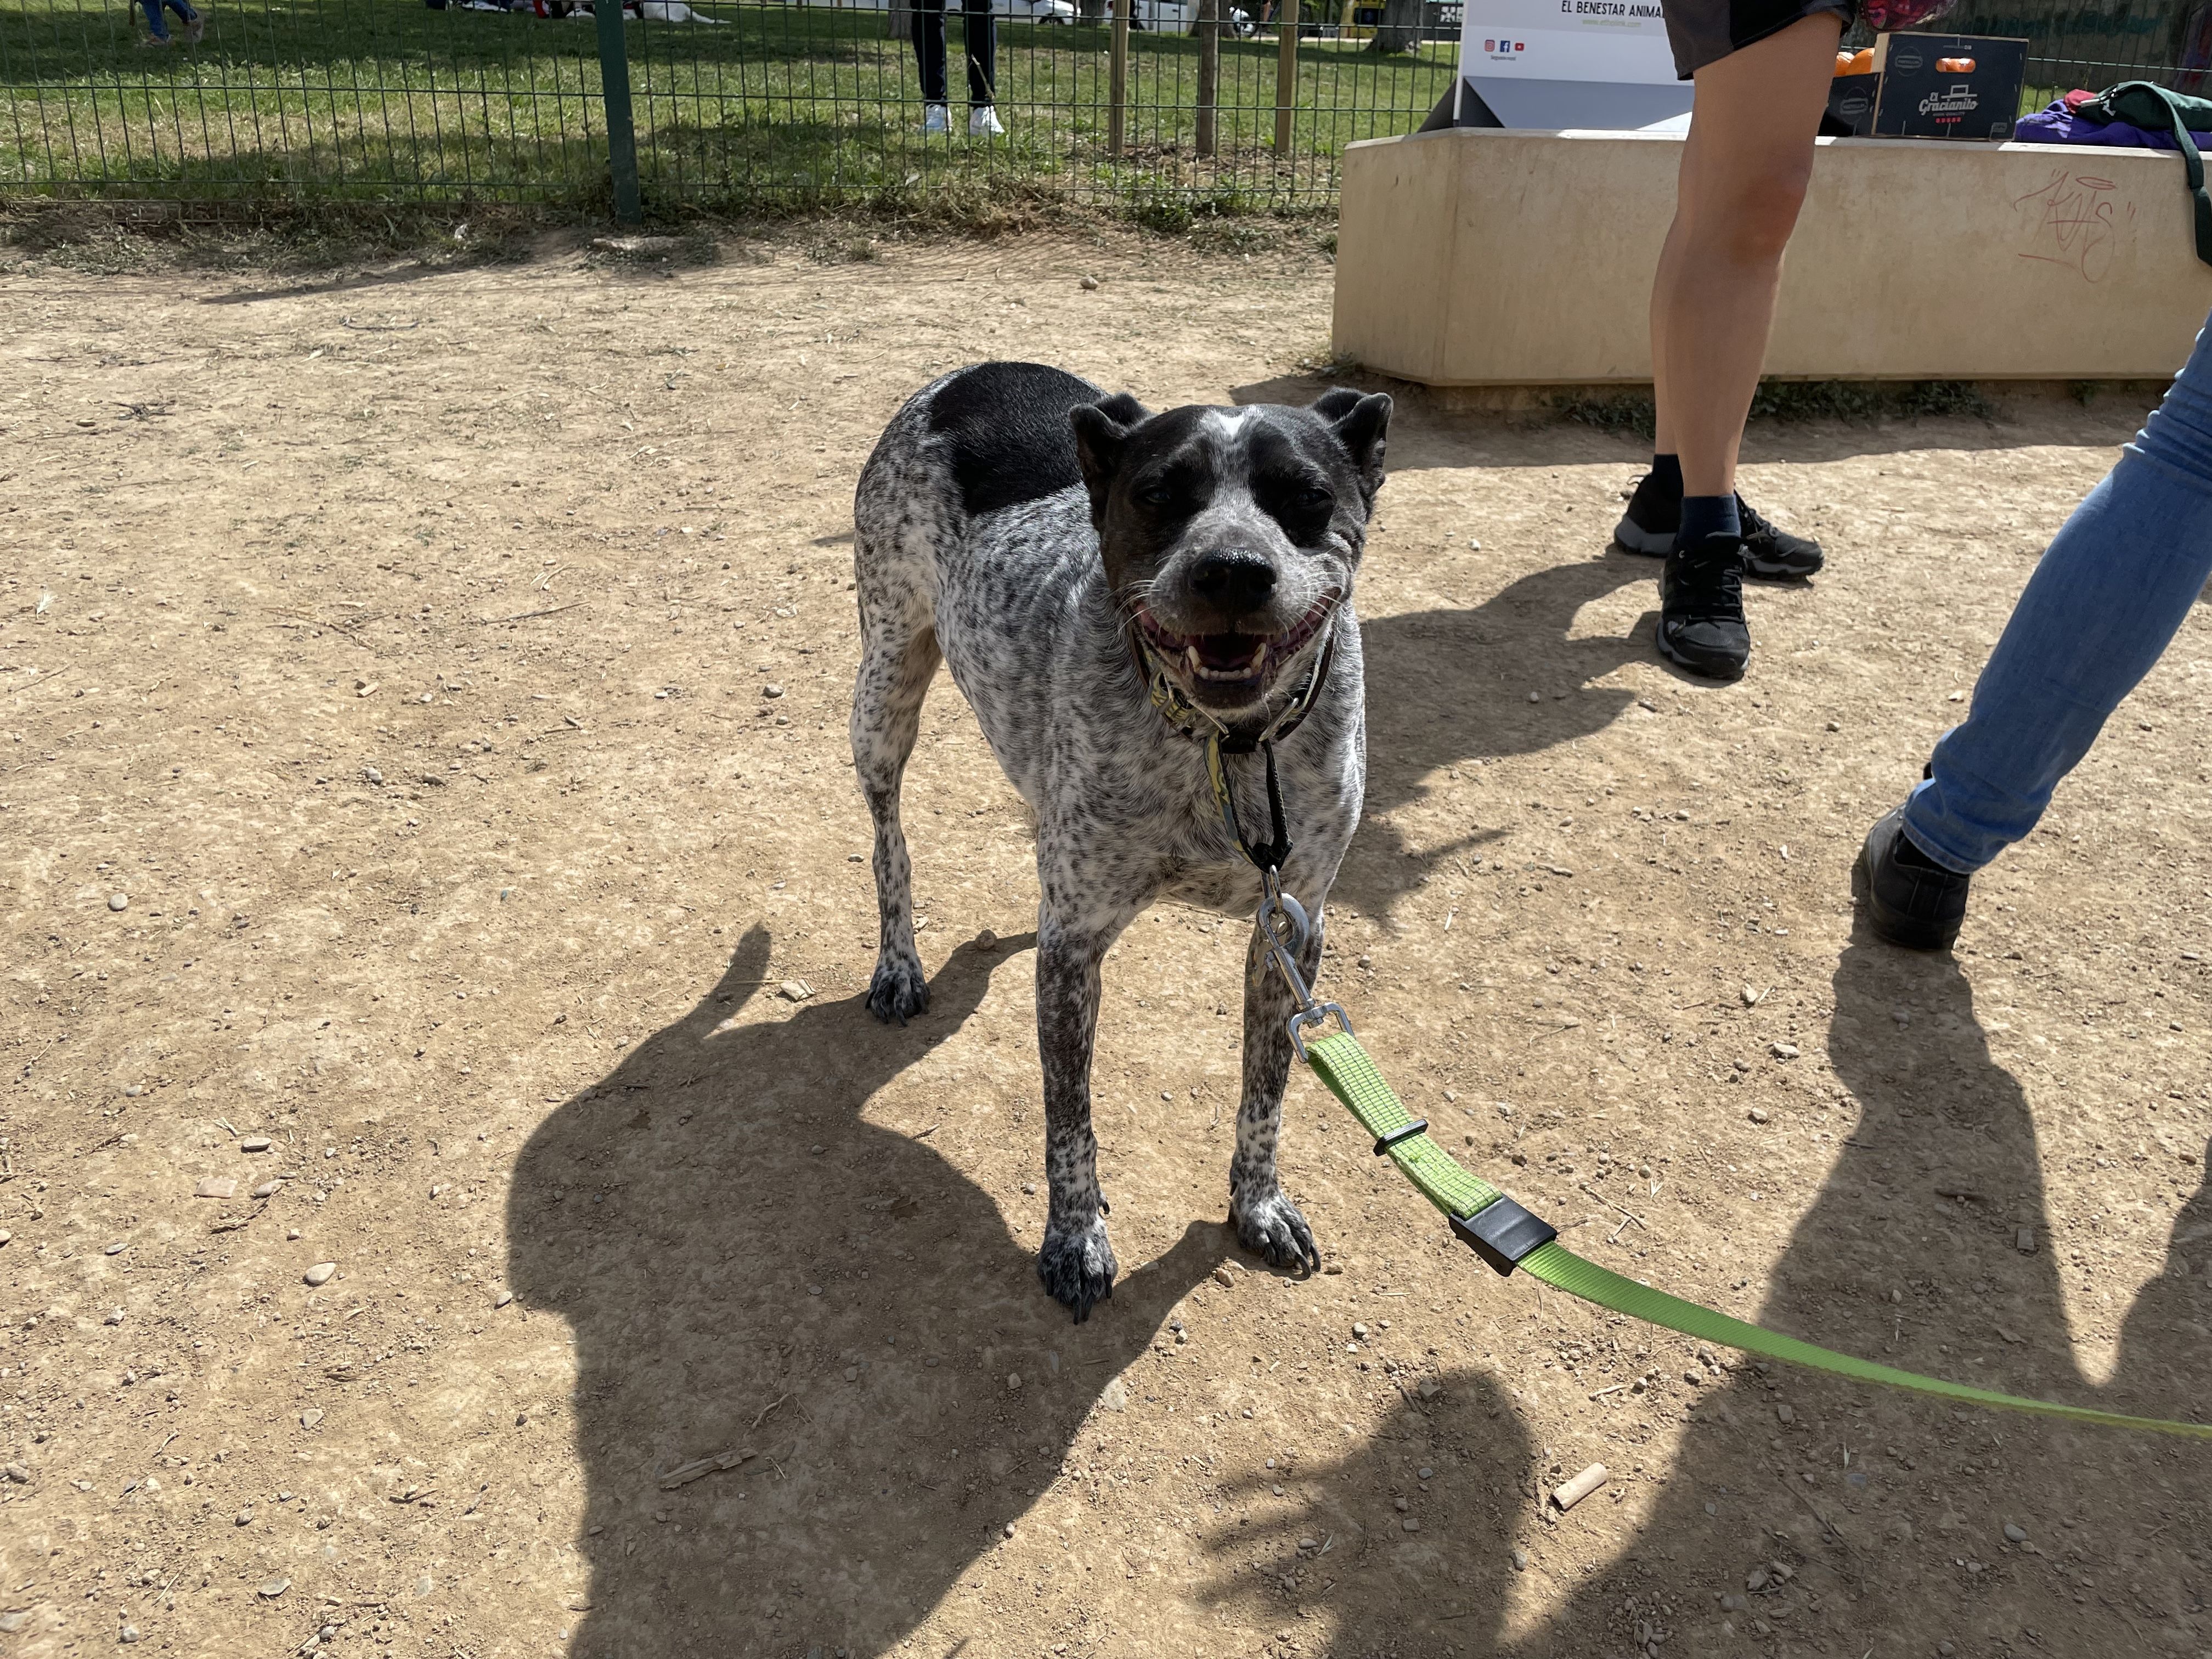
(1707, 515)
(1666, 474)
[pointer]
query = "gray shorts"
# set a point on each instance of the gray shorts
(1703, 32)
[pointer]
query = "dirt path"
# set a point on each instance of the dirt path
(400, 653)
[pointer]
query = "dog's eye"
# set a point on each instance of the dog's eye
(1314, 499)
(1155, 492)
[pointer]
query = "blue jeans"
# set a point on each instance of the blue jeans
(2110, 593)
(154, 20)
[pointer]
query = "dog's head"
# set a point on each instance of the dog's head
(1230, 534)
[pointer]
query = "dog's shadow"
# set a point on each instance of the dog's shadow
(747, 1264)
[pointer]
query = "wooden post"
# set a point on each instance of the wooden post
(1117, 78)
(1209, 72)
(1286, 70)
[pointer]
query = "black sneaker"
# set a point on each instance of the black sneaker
(1911, 900)
(1771, 554)
(1701, 624)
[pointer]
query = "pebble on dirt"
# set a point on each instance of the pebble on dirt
(1520, 1560)
(2014, 1533)
(274, 1588)
(1758, 1115)
(128, 1633)
(320, 1273)
(254, 1144)
(503, 1298)
(794, 990)
(267, 1189)
(1784, 1051)
(245, 1516)
(1089, 284)
(216, 1187)
(118, 901)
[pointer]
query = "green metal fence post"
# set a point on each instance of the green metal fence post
(614, 92)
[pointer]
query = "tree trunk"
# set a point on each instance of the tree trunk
(1400, 29)
(898, 21)
(1091, 11)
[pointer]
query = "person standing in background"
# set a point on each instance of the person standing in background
(1762, 69)
(195, 25)
(980, 33)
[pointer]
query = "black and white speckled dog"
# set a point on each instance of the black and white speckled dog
(1069, 554)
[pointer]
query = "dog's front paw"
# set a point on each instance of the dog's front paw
(898, 989)
(1078, 1267)
(1272, 1227)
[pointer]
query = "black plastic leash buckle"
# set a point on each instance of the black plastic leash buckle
(1501, 1232)
(1419, 1125)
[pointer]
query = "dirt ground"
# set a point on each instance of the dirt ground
(397, 652)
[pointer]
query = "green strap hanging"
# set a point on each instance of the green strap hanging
(1341, 1064)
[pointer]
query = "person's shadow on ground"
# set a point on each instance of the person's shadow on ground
(748, 1265)
(1886, 1512)
(1889, 1510)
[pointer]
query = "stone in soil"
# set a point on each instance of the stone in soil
(320, 1273)
(119, 902)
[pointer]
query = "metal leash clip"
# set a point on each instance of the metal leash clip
(1279, 913)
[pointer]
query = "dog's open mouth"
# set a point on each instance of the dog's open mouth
(1233, 662)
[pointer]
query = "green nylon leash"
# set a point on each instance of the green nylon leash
(1507, 1236)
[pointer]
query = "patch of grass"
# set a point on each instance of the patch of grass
(795, 106)
(1614, 412)
(1860, 402)
(1857, 402)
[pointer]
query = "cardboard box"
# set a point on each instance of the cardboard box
(1850, 105)
(1948, 86)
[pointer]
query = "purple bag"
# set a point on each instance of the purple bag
(1889, 16)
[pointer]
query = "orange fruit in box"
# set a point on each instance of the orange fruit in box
(1862, 61)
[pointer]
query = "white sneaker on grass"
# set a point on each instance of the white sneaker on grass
(932, 118)
(983, 123)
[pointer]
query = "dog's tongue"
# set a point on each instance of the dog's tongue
(1226, 650)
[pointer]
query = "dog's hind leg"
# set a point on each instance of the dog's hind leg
(899, 655)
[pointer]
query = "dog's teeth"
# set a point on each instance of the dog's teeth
(1190, 656)
(1260, 656)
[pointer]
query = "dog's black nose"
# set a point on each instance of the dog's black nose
(1235, 582)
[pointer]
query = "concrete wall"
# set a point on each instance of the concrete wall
(1475, 256)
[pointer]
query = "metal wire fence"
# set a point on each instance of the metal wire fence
(2098, 44)
(1164, 106)
(735, 101)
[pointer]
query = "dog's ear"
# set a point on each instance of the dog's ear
(1360, 424)
(1102, 432)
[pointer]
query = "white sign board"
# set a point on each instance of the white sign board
(1615, 40)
